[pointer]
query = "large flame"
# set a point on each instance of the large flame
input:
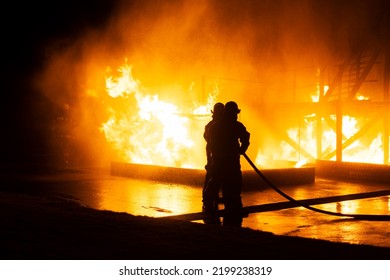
(147, 130)
(144, 129)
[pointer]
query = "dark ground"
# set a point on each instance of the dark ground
(46, 227)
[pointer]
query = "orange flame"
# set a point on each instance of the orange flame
(146, 130)
(305, 136)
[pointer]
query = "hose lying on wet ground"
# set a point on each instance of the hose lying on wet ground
(367, 217)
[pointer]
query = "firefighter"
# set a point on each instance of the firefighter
(227, 140)
(210, 194)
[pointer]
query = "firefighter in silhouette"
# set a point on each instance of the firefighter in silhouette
(211, 189)
(227, 140)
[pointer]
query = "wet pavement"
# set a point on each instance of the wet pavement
(100, 190)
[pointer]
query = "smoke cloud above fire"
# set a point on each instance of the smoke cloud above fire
(182, 50)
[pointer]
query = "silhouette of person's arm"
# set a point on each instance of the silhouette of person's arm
(244, 140)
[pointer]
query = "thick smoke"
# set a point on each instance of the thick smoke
(255, 50)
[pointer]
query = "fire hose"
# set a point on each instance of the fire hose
(367, 217)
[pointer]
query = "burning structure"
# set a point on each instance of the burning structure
(311, 78)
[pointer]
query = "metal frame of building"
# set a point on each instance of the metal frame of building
(340, 98)
(339, 86)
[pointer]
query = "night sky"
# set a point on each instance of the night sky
(29, 28)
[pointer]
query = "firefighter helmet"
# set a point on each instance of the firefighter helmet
(232, 107)
(218, 108)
